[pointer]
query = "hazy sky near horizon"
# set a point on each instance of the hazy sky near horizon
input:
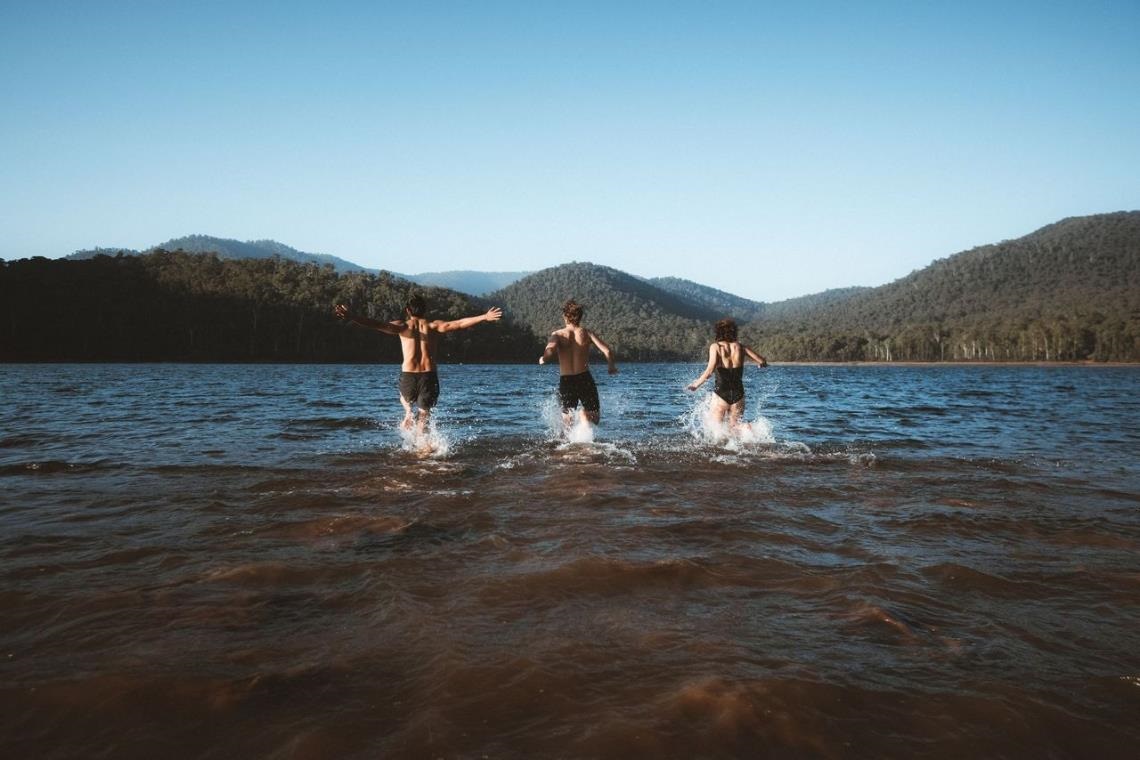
(767, 149)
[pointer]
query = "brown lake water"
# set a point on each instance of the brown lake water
(247, 561)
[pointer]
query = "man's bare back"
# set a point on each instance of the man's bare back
(573, 346)
(417, 342)
(419, 384)
(575, 384)
(418, 335)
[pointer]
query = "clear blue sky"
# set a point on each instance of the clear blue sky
(771, 150)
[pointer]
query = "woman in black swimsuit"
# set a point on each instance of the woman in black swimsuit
(726, 358)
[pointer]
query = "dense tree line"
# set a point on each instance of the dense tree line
(804, 306)
(710, 302)
(177, 306)
(716, 304)
(639, 320)
(1068, 292)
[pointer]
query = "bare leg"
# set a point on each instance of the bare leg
(422, 422)
(735, 411)
(593, 417)
(407, 422)
(736, 414)
(717, 413)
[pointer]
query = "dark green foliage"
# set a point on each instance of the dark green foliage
(177, 306)
(717, 303)
(1068, 292)
(803, 306)
(714, 303)
(639, 320)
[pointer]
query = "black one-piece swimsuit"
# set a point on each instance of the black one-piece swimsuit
(730, 384)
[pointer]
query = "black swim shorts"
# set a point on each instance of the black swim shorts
(573, 389)
(420, 388)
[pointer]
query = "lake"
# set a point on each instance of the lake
(249, 561)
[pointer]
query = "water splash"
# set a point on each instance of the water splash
(432, 442)
(579, 431)
(551, 414)
(702, 421)
(576, 443)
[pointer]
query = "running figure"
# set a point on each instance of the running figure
(575, 383)
(726, 357)
(419, 383)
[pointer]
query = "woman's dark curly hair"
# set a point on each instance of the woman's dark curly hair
(726, 330)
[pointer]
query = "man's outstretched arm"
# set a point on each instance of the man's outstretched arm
(494, 314)
(606, 351)
(550, 351)
(388, 328)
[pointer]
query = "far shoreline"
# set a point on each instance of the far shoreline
(356, 362)
(1085, 363)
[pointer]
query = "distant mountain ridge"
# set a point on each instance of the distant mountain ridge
(711, 300)
(663, 317)
(1075, 264)
(467, 281)
(793, 308)
(1070, 290)
(1067, 291)
(473, 282)
(639, 319)
(724, 304)
(228, 248)
(701, 298)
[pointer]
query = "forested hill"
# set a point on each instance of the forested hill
(724, 304)
(640, 320)
(710, 300)
(178, 306)
(803, 306)
(227, 248)
(1069, 291)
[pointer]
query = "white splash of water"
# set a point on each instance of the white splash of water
(575, 443)
(432, 442)
(551, 414)
(705, 425)
(579, 431)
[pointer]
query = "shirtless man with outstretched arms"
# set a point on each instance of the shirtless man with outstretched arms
(575, 383)
(419, 383)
